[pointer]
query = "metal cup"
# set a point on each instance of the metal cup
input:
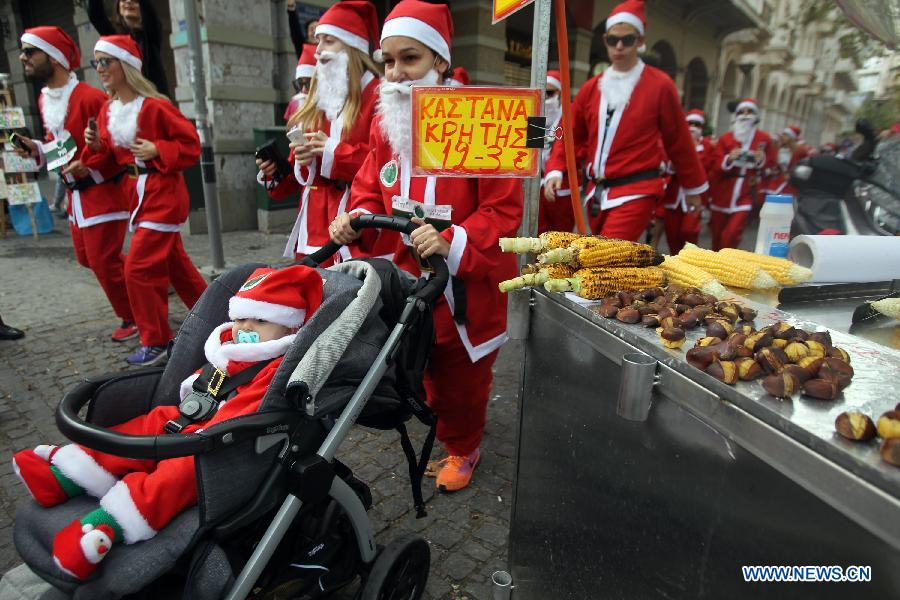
(636, 386)
(502, 585)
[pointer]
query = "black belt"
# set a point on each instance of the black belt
(627, 179)
(135, 171)
(79, 185)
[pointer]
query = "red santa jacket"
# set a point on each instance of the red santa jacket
(674, 198)
(631, 144)
(483, 210)
(159, 198)
(101, 202)
(734, 185)
(326, 182)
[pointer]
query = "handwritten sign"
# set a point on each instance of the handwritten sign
(23, 193)
(13, 163)
(474, 131)
(504, 8)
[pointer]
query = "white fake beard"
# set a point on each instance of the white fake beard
(122, 122)
(552, 110)
(617, 86)
(395, 109)
(332, 83)
(55, 105)
(743, 128)
(696, 134)
(784, 157)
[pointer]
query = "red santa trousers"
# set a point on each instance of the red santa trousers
(627, 221)
(457, 389)
(681, 227)
(155, 259)
(727, 229)
(99, 248)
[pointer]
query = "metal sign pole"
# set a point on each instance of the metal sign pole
(207, 157)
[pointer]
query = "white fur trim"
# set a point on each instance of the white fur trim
(44, 451)
(304, 71)
(752, 105)
(697, 190)
(457, 248)
(55, 106)
(119, 503)
(553, 175)
(122, 121)
(790, 132)
(53, 51)
(417, 30)
(348, 37)
(220, 354)
(246, 308)
(187, 385)
(118, 52)
(83, 470)
(554, 82)
(696, 119)
(626, 17)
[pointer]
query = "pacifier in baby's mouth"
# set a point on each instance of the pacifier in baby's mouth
(247, 337)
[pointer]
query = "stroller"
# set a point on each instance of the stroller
(273, 502)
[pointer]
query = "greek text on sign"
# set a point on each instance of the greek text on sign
(474, 131)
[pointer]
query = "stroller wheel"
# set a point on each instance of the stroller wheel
(400, 571)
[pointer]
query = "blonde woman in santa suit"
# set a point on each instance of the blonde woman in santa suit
(470, 319)
(141, 131)
(336, 117)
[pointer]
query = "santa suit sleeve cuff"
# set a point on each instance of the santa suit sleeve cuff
(187, 385)
(726, 163)
(119, 503)
(40, 150)
(457, 248)
(328, 157)
(697, 190)
(552, 175)
(81, 468)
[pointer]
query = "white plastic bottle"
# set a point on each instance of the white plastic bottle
(774, 235)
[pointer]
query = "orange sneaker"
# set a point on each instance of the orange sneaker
(456, 471)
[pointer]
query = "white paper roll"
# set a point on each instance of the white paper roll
(847, 258)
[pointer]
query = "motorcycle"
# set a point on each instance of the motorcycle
(856, 195)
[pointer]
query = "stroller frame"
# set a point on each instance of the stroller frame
(316, 472)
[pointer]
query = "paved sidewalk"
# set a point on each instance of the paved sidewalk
(67, 321)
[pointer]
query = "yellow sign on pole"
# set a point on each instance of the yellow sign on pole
(504, 8)
(474, 131)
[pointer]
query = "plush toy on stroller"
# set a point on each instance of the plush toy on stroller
(242, 476)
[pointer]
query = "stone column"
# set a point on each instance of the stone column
(477, 45)
(580, 60)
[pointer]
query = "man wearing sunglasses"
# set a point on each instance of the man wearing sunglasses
(98, 210)
(619, 119)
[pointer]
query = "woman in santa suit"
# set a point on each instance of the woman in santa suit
(142, 132)
(336, 117)
(554, 214)
(470, 319)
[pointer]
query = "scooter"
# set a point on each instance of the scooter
(857, 195)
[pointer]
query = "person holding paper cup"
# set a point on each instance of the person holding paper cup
(465, 218)
(329, 133)
(141, 132)
(97, 208)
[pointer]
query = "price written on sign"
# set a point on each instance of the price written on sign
(473, 131)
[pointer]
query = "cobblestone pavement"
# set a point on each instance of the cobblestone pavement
(67, 321)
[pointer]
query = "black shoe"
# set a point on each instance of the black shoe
(10, 333)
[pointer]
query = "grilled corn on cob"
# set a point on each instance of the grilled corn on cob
(590, 252)
(728, 270)
(597, 283)
(546, 241)
(534, 275)
(685, 274)
(889, 307)
(782, 270)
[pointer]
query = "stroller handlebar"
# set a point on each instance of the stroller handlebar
(436, 284)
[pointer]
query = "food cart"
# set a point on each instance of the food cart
(616, 501)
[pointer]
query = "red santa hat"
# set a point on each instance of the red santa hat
(460, 77)
(56, 43)
(430, 24)
(630, 12)
(306, 66)
(554, 78)
(284, 296)
(122, 47)
(696, 115)
(747, 103)
(354, 22)
(792, 131)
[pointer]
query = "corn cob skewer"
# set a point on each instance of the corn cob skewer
(603, 252)
(535, 275)
(597, 283)
(546, 241)
(782, 270)
(727, 270)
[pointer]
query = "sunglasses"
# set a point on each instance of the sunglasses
(627, 40)
(301, 84)
(29, 52)
(103, 62)
(551, 93)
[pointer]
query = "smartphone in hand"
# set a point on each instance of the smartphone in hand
(92, 124)
(297, 136)
(19, 142)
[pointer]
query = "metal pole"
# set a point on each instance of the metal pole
(207, 158)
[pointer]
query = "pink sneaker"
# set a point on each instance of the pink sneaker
(456, 471)
(124, 332)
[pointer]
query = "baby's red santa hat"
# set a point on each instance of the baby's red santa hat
(122, 47)
(354, 22)
(554, 78)
(306, 65)
(285, 296)
(631, 12)
(696, 116)
(792, 131)
(56, 43)
(430, 24)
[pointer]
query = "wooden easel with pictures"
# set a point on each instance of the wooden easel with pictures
(15, 185)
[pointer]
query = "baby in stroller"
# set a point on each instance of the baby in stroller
(137, 498)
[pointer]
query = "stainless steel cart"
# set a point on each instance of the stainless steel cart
(717, 477)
